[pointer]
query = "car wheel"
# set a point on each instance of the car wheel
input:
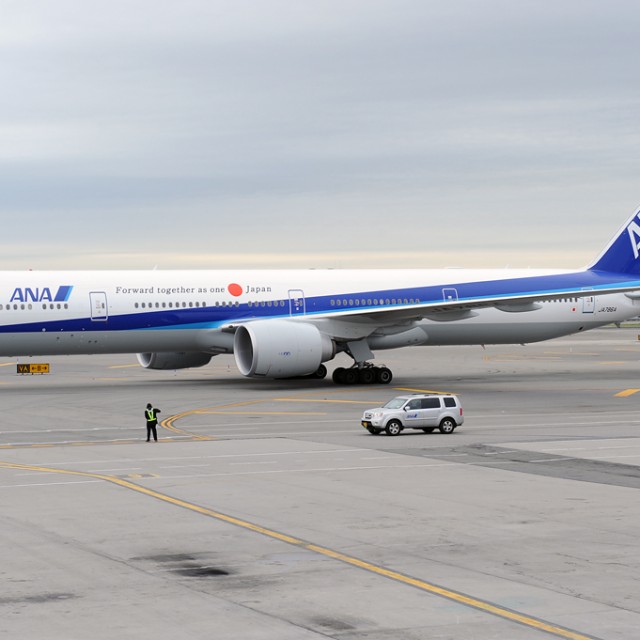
(428, 429)
(447, 425)
(393, 428)
(373, 432)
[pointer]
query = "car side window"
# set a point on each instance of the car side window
(431, 403)
(449, 402)
(413, 405)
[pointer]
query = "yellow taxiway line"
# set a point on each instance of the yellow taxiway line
(626, 393)
(455, 596)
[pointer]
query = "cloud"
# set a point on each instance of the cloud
(330, 129)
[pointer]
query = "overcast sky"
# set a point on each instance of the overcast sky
(393, 133)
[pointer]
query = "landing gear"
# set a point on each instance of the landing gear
(362, 371)
(319, 373)
(365, 375)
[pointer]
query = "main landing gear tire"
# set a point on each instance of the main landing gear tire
(345, 376)
(350, 376)
(367, 375)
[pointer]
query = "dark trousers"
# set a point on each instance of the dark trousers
(151, 428)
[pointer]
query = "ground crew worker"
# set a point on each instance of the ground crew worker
(151, 414)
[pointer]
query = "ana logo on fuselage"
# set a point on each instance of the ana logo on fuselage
(40, 294)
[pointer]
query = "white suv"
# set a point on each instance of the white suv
(426, 412)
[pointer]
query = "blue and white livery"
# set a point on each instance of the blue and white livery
(282, 324)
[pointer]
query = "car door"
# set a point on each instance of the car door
(413, 414)
(430, 412)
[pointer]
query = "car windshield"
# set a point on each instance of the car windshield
(396, 403)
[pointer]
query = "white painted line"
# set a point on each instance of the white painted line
(48, 484)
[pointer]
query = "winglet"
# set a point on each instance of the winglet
(622, 254)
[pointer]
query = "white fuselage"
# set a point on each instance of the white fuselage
(52, 313)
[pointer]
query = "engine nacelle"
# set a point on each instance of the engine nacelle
(173, 360)
(280, 349)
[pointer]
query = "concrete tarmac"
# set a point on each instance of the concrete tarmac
(266, 512)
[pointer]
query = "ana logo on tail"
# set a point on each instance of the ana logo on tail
(633, 229)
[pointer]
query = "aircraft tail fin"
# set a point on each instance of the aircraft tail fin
(622, 254)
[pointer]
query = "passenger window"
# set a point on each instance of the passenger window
(431, 403)
(413, 405)
(449, 402)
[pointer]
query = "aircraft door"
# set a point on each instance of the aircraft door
(297, 306)
(449, 294)
(589, 304)
(98, 300)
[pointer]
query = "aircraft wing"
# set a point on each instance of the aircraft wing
(464, 307)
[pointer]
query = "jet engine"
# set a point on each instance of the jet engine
(173, 360)
(280, 349)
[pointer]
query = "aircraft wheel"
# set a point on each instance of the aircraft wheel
(320, 373)
(350, 376)
(366, 376)
(384, 375)
(338, 375)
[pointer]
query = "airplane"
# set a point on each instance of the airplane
(288, 323)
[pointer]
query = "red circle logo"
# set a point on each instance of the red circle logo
(234, 289)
